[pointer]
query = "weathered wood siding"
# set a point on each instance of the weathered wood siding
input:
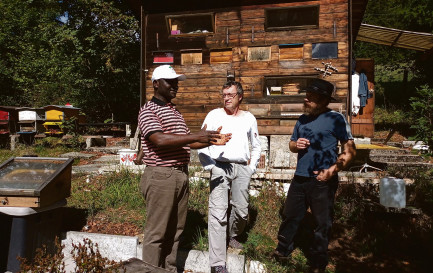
(245, 27)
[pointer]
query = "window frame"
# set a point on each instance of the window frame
(275, 28)
(282, 77)
(326, 57)
(168, 24)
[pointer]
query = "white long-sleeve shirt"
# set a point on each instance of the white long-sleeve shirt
(243, 128)
(356, 102)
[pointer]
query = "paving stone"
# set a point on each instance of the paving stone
(77, 155)
(107, 159)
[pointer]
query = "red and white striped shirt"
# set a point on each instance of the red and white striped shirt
(158, 116)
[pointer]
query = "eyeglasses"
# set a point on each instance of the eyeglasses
(229, 96)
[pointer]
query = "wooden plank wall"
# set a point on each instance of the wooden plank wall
(200, 93)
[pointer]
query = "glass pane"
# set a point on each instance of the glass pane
(27, 174)
(292, 17)
(325, 51)
(292, 85)
(191, 24)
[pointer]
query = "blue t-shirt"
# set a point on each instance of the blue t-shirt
(324, 132)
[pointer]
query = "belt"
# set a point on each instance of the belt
(240, 163)
(183, 168)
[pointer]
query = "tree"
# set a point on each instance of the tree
(85, 52)
(422, 111)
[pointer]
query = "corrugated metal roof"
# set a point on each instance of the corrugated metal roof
(395, 37)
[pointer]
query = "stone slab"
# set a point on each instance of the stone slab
(75, 155)
(107, 159)
(114, 247)
(198, 261)
(107, 150)
(89, 168)
(280, 155)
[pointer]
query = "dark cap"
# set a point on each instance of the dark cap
(321, 87)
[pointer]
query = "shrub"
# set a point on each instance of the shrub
(422, 112)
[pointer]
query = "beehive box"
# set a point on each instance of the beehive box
(34, 181)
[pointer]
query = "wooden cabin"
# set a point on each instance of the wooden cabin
(55, 115)
(274, 48)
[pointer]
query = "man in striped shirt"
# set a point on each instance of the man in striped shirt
(166, 144)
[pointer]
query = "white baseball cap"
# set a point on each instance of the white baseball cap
(166, 72)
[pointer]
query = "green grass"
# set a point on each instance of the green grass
(115, 191)
(41, 149)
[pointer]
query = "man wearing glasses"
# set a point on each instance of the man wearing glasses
(231, 168)
(166, 144)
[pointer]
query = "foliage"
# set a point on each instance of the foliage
(390, 117)
(113, 191)
(422, 111)
(44, 261)
(46, 147)
(86, 256)
(199, 196)
(88, 259)
(84, 52)
(398, 71)
(411, 15)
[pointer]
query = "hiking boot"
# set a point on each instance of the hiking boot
(233, 243)
(219, 269)
(280, 257)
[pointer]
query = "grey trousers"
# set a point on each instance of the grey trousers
(227, 178)
(165, 190)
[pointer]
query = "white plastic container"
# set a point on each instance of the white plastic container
(392, 192)
(127, 156)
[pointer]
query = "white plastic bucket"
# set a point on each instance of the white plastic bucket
(392, 192)
(127, 156)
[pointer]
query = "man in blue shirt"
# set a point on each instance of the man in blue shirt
(315, 138)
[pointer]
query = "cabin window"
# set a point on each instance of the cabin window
(324, 51)
(163, 57)
(191, 56)
(221, 56)
(292, 17)
(291, 52)
(287, 85)
(191, 24)
(262, 53)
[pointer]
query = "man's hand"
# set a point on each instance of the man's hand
(324, 175)
(213, 137)
(221, 139)
(349, 152)
(302, 143)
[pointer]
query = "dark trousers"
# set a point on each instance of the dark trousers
(304, 193)
(166, 192)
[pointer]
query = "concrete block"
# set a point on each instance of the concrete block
(198, 261)
(365, 140)
(98, 141)
(113, 247)
(408, 143)
(255, 267)
(14, 139)
(279, 154)
(77, 155)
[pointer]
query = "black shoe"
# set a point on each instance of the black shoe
(280, 257)
(233, 243)
(219, 269)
